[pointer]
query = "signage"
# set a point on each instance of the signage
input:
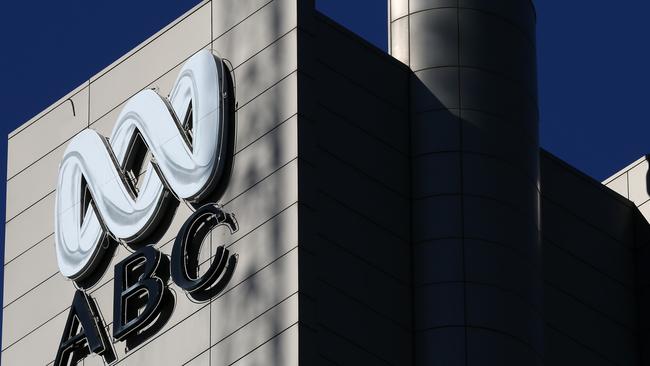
(103, 200)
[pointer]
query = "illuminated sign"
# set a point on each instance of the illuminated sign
(103, 200)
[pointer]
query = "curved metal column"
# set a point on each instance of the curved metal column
(475, 174)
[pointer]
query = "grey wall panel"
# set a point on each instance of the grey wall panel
(485, 344)
(257, 31)
(352, 145)
(355, 278)
(354, 227)
(434, 29)
(439, 305)
(438, 261)
(436, 174)
(44, 339)
(569, 316)
(29, 276)
(446, 212)
(363, 238)
(435, 131)
(520, 13)
(494, 264)
(563, 350)
(32, 184)
(362, 328)
(357, 60)
(21, 234)
(485, 134)
(48, 132)
(365, 110)
(588, 199)
(579, 239)
(450, 350)
(498, 47)
(588, 285)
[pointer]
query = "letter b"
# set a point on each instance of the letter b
(142, 301)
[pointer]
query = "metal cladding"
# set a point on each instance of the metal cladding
(474, 106)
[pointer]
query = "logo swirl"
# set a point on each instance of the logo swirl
(188, 162)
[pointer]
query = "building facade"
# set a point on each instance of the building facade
(391, 209)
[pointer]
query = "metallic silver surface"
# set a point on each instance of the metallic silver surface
(187, 169)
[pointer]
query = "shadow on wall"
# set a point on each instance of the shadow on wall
(473, 169)
(259, 114)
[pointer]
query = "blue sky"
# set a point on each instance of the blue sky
(593, 60)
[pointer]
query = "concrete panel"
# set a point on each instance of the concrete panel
(248, 302)
(265, 112)
(354, 146)
(620, 185)
(638, 183)
(176, 346)
(266, 69)
(363, 238)
(359, 325)
(563, 350)
(201, 360)
(22, 274)
(44, 339)
(266, 155)
(280, 350)
(587, 284)
(580, 239)
(360, 193)
(365, 111)
(566, 314)
(257, 31)
(227, 14)
(484, 344)
(168, 49)
(361, 63)
(357, 280)
(253, 335)
(34, 183)
(47, 132)
(587, 199)
(29, 228)
(36, 308)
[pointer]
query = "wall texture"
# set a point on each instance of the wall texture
(256, 317)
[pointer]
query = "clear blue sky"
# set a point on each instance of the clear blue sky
(594, 65)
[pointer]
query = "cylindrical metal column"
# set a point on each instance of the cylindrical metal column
(475, 174)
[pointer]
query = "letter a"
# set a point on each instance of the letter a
(84, 333)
